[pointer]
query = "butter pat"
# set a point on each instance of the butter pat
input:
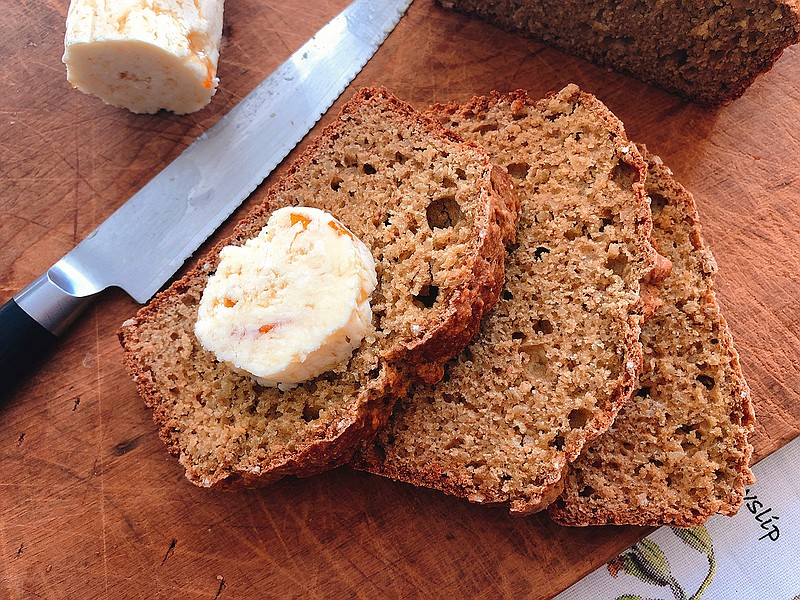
(291, 303)
(145, 55)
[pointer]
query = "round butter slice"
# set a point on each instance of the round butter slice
(291, 303)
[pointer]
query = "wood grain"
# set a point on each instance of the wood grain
(91, 504)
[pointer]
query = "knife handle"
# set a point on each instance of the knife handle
(23, 341)
(30, 324)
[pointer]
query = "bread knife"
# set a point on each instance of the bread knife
(141, 245)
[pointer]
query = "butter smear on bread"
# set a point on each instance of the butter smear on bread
(291, 303)
(145, 56)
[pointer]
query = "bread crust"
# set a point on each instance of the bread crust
(330, 443)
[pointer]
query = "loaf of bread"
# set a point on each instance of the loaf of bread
(707, 51)
(559, 355)
(145, 56)
(436, 215)
(678, 452)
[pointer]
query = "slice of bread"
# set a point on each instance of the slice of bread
(560, 353)
(678, 451)
(707, 51)
(436, 215)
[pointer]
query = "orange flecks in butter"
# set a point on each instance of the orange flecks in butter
(229, 303)
(208, 83)
(339, 228)
(266, 328)
(197, 44)
(295, 219)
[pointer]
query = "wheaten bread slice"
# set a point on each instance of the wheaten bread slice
(435, 214)
(678, 451)
(559, 354)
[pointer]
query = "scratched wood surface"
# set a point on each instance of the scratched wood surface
(91, 504)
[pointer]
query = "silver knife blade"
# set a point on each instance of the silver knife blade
(141, 245)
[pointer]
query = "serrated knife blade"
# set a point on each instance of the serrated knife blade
(141, 245)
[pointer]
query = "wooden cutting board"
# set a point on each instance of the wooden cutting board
(91, 504)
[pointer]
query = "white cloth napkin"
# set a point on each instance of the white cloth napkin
(754, 555)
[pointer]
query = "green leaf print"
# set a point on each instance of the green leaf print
(646, 561)
(632, 566)
(698, 538)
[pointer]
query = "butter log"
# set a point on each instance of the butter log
(145, 55)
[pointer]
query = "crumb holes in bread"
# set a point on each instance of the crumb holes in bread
(466, 355)
(517, 335)
(618, 264)
(586, 491)
(336, 183)
(643, 392)
(657, 202)
(552, 116)
(444, 212)
(707, 381)
(678, 58)
(605, 222)
(485, 128)
(579, 417)
(461, 174)
(310, 413)
(543, 326)
(518, 170)
(558, 442)
(540, 252)
(369, 169)
(579, 230)
(624, 175)
(427, 296)
(507, 295)
(537, 359)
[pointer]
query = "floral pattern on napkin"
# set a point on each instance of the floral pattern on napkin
(754, 555)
